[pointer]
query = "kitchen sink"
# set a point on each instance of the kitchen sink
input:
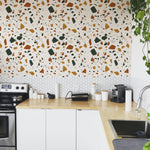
(130, 128)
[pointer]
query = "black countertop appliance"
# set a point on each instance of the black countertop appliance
(118, 94)
(77, 96)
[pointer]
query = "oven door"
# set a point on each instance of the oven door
(7, 128)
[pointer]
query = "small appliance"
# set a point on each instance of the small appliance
(118, 94)
(77, 96)
(80, 97)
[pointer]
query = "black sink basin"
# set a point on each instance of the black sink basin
(129, 128)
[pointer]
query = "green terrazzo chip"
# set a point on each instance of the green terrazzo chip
(51, 9)
(93, 52)
(51, 52)
(93, 9)
(8, 51)
(8, 9)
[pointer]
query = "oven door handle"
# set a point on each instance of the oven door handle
(7, 111)
(4, 138)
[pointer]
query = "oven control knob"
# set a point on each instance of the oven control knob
(22, 88)
(17, 87)
(9, 87)
(14, 99)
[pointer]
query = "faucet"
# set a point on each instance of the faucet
(140, 97)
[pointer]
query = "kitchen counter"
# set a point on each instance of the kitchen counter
(108, 110)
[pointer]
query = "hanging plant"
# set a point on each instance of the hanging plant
(140, 10)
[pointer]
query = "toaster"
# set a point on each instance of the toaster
(77, 96)
(80, 97)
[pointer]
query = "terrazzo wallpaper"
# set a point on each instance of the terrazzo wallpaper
(80, 38)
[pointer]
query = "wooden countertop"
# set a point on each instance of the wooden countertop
(108, 110)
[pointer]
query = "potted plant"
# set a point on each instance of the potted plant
(140, 10)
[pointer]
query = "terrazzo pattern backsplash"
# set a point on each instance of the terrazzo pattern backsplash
(67, 38)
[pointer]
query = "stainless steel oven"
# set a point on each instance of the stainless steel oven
(7, 130)
(11, 94)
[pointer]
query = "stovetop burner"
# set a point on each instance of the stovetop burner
(12, 94)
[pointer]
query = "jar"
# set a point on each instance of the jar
(104, 95)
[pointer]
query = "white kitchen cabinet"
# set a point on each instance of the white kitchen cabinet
(61, 129)
(90, 131)
(30, 129)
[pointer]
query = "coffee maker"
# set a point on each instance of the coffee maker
(118, 94)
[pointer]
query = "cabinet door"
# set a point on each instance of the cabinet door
(90, 132)
(30, 129)
(60, 129)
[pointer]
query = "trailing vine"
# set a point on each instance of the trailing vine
(140, 10)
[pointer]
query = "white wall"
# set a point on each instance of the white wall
(139, 76)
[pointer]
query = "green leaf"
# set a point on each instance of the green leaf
(136, 5)
(133, 16)
(144, 33)
(147, 144)
(147, 37)
(142, 41)
(147, 64)
(129, 10)
(144, 57)
(133, 27)
(148, 2)
(140, 15)
(145, 22)
(137, 31)
(147, 11)
(140, 11)
(147, 147)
